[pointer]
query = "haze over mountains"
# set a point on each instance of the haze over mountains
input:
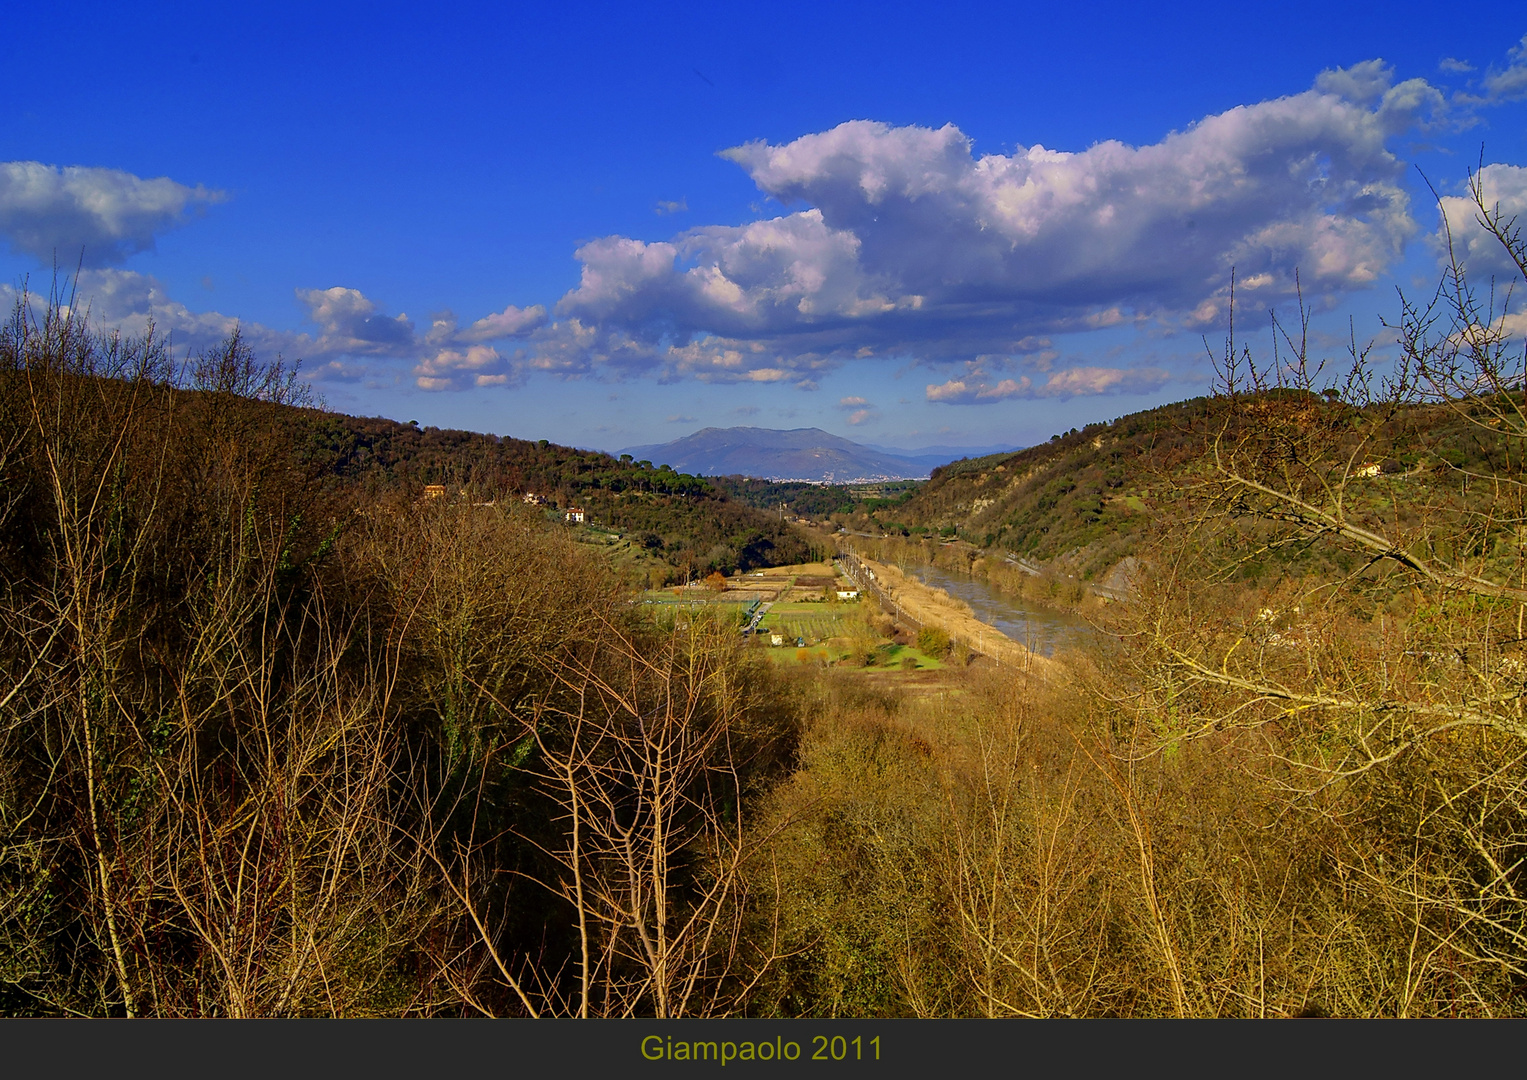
(797, 454)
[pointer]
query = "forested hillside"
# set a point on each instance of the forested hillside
(683, 520)
(796, 497)
(1088, 498)
(1085, 496)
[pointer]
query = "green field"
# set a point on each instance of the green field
(814, 622)
(891, 657)
(888, 658)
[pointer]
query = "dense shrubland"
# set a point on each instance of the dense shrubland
(269, 746)
(1015, 851)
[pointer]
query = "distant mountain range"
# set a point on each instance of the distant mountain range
(797, 454)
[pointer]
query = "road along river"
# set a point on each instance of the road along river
(1042, 631)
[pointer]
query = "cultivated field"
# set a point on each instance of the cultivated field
(814, 622)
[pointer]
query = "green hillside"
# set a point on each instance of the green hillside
(679, 519)
(805, 499)
(1085, 496)
(1088, 498)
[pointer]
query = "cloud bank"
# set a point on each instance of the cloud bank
(976, 387)
(353, 339)
(909, 243)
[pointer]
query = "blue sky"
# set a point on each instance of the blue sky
(613, 225)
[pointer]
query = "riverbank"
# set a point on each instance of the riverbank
(916, 605)
(1046, 587)
(1040, 629)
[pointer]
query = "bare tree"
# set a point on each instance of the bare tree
(1350, 583)
(642, 757)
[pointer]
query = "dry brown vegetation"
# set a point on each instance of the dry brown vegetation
(265, 750)
(1006, 852)
(1277, 793)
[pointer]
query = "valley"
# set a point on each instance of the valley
(481, 711)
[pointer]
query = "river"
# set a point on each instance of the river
(1042, 630)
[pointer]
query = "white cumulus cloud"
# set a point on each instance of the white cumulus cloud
(349, 323)
(511, 322)
(895, 243)
(910, 243)
(1509, 83)
(355, 339)
(974, 390)
(475, 366)
(859, 409)
(132, 303)
(102, 215)
(1503, 188)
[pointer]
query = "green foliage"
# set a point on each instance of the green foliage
(1083, 495)
(799, 498)
(933, 641)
